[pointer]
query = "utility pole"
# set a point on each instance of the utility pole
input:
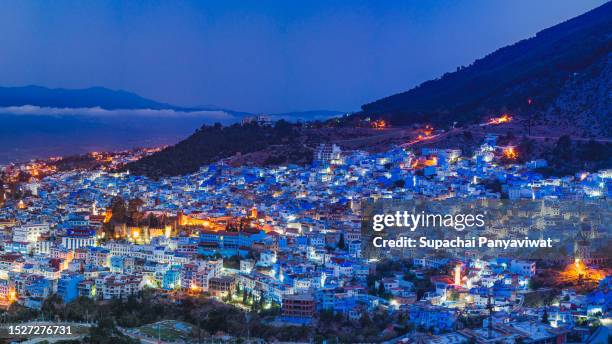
(490, 308)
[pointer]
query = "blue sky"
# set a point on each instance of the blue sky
(260, 56)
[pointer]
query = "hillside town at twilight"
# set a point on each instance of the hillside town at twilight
(288, 238)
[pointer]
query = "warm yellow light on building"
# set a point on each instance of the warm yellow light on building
(510, 153)
(12, 295)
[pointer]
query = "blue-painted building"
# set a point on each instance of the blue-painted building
(67, 287)
(172, 278)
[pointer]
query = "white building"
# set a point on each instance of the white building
(328, 154)
(75, 242)
(523, 268)
(30, 233)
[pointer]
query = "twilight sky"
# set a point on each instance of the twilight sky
(260, 56)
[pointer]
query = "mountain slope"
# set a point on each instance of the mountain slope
(538, 68)
(584, 102)
(77, 98)
(212, 143)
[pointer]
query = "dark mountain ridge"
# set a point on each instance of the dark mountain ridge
(211, 143)
(537, 68)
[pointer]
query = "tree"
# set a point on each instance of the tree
(494, 185)
(152, 221)
(467, 135)
(118, 209)
(365, 320)
(525, 149)
(409, 276)
(545, 316)
(133, 210)
(134, 204)
(381, 288)
(53, 306)
(563, 149)
(341, 243)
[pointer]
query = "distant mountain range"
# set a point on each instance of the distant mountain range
(565, 71)
(104, 98)
(78, 98)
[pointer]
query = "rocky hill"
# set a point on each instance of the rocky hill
(564, 71)
(584, 103)
(212, 143)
